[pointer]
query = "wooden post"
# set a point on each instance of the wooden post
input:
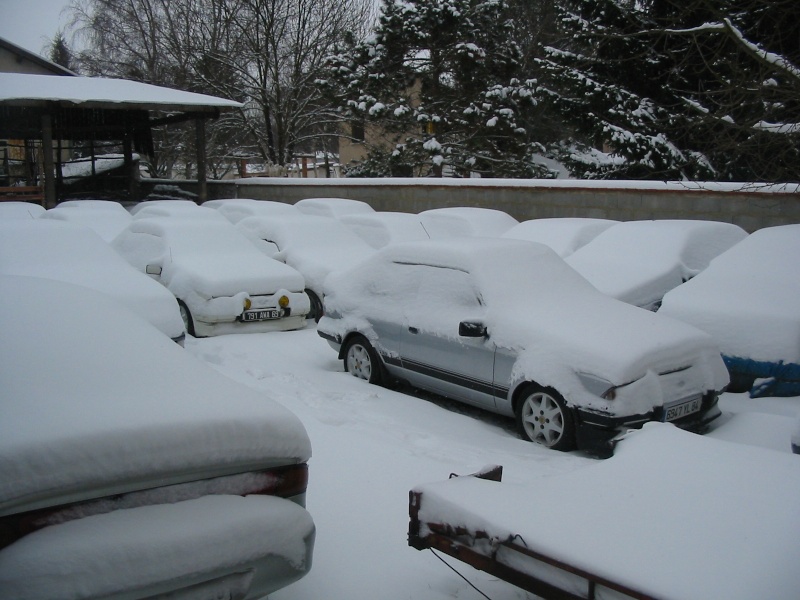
(200, 130)
(129, 170)
(49, 167)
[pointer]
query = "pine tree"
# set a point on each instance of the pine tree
(60, 52)
(440, 77)
(677, 90)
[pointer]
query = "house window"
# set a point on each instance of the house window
(357, 132)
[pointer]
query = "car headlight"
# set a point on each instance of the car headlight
(598, 386)
(247, 304)
(283, 301)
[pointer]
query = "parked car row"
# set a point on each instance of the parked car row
(638, 262)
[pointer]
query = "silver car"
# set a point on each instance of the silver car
(507, 326)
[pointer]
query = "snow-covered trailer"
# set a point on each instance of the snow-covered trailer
(672, 515)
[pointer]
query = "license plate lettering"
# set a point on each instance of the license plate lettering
(682, 409)
(262, 315)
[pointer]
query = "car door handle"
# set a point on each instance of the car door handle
(413, 330)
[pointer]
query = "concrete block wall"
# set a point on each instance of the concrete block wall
(751, 206)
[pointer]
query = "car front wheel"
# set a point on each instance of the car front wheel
(361, 360)
(543, 418)
(315, 312)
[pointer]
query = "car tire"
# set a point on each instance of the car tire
(315, 312)
(188, 322)
(361, 360)
(543, 417)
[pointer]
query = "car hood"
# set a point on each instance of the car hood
(613, 340)
(97, 402)
(213, 276)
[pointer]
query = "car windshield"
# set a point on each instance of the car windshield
(204, 238)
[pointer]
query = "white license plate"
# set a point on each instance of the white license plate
(682, 409)
(262, 315)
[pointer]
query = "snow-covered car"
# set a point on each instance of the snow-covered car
(315, 246)
(380, 228)
(132, 470)
(107, 220)
(332, 207)
(459, 221)
(236, 209)
(179, 209)
(748, 299)
(222, 283)
(19, 210)
(640, 261)
(75, 254)
(150, 204)
(564, 235)
(507, 326)
(94, 203)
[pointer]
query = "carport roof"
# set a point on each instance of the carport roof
(17, 89)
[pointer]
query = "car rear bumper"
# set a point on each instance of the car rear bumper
(233, 546)
(596, 432)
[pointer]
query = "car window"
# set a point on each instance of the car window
(445, 298)
(269, 247)
(141, 249)
(394, 286)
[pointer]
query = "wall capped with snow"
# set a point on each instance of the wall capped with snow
(752, 206)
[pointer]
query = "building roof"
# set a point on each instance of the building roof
(17, 89)
(23, 57)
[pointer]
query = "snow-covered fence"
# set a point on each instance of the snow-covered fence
(752, 206)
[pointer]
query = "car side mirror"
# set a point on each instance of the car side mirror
(471, 329)
(153, 270)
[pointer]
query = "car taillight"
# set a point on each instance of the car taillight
(285, 482)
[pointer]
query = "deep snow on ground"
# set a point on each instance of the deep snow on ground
(372, 445)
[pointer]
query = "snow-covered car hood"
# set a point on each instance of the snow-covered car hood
(74, 254)
(610, 339)
(214, 276)
(97, 402)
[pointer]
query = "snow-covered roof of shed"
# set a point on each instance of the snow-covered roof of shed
(95, 92)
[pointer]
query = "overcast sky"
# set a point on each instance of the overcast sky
(32, 23)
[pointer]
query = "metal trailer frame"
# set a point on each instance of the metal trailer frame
(511, 559)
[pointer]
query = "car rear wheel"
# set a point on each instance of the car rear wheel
(315, 312)
(543, 418)
(361, 360)
(188, 323)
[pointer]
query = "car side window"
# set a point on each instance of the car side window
(142, 249)
(445, 298)
(396, 284)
